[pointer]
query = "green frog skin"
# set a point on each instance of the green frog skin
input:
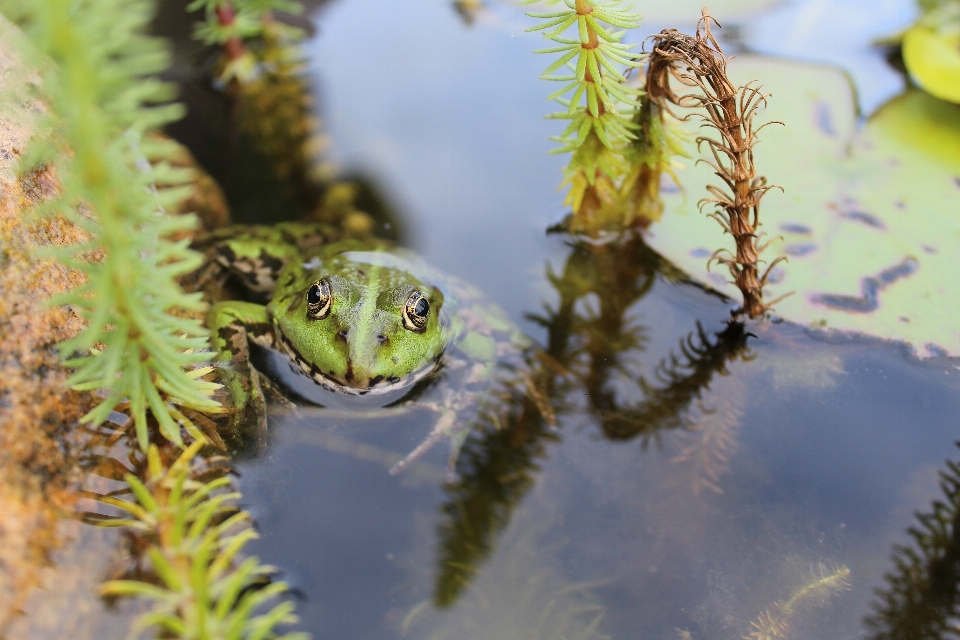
(358, 317)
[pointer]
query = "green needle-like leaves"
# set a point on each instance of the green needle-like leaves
(137, 345)
(598, 104)
(196, 536)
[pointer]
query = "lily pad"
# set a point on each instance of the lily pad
(869, 218)
(933, 59)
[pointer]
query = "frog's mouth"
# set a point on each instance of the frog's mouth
(375, 386)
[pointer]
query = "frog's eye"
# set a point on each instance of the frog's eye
(319, 300)
(416, 311)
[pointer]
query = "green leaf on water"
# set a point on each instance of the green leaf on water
(869, 218)
(933, 59)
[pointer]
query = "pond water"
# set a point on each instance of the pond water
(759, 479)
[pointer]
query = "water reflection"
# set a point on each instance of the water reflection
(921, 598)
(593, 348)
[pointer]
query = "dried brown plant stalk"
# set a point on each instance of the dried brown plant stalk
(698, 62)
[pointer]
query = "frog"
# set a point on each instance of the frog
(358, 318)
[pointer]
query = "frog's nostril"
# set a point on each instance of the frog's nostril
(382, 339)
(342, 334)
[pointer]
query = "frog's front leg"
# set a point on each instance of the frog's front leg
(445, 428)
(473, 364)
(232, 325)
(457, 416)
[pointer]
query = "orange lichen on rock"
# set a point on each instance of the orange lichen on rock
(37, 412)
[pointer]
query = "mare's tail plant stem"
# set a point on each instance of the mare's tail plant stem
(699, 63)
(600, 107)
(137, 343)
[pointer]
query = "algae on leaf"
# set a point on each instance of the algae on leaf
(867, 218)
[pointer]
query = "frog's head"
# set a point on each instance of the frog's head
(358, 324)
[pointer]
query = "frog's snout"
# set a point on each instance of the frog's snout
(367, 363)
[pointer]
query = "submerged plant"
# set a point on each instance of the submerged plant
(193, 535)
(698, 62)
(139, 338)
(775, 622)
(712, 434)
(599, 106)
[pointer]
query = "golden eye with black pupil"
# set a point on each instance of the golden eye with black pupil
(416, 312)
(319, 300)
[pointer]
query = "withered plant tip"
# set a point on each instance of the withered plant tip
(698, 62)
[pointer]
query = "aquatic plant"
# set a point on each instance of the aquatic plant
(699, 63)
(192, 534)
(104, 99)
(261, 71)
(711, 434)
(921, 599)
(599, 107)
(775, 622)
(660, 140)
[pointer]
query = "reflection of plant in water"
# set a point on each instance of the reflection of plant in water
(191, 533)
(468, 10)
(712, 436)
(498, 461)
(922, 596)
(682, 379)
(593, 345)
(522, 594)
(590, 342)
(585, 347)
(699, 62)
(774, 623)
(495, 470)
(262, 71)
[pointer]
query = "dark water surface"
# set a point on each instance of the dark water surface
(796, 459)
